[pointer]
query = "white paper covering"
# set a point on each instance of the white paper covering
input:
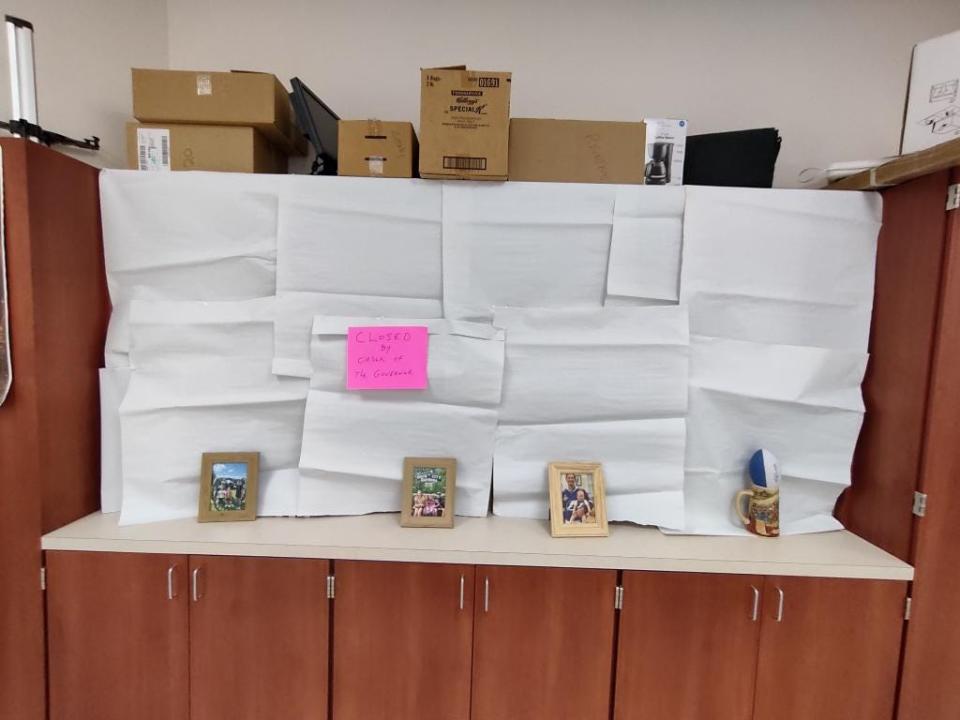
(788, 267)
(295, 312)
(524, 245)
(785, 273)
(361, 236)
(645, 247)
(202, 383)
(589, 365)
(464, 360)
(354, 442)
(642, 466)
(113, 386)
(184, 236)
(354, 446)
(605, 385)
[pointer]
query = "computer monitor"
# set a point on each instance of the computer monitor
(319, 124)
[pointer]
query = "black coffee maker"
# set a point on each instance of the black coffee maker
(657, 171)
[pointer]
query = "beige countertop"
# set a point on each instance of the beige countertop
(488, 541)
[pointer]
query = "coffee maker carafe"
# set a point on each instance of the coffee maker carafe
(657, 171)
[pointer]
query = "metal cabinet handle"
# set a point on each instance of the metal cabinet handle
(486, 594)
(195, 585)
(755, 613)
(780, 605)
(171, 592)
(462, 583)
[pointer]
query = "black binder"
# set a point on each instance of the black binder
(743, 158)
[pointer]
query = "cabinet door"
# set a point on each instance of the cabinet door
(687, 646)
(117, 634)
(543, 644)
(929, 689)
(829, 649)
(402, 637)
(259, 632)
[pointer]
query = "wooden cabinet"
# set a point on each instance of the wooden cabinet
(829, 649)
(908, 443)
(402, 637)
(167, 637)
(258, 638)
(688, 646)
(117, 636)
(727, 647)
(929, 687)
(543, 643)
(49, 421)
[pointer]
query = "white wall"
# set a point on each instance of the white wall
(84, 51)
(829, 74)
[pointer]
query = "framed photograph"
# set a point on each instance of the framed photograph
(578, 504)
(429, 485)
(228, 486)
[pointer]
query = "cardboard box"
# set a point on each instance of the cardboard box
(251, 99)
(932, 112)
(224, 148)
(582, 151)
(373, 148)
(666, 147)
(464, 123)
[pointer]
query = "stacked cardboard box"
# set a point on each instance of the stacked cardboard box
(373, 148)
(227, 121)
(583, 151)
(464, 123)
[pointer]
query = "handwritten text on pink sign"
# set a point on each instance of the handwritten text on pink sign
(387, 358)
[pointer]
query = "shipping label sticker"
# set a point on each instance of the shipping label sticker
(153, 149)
(375, 165)
(204, 84)
(387, 358)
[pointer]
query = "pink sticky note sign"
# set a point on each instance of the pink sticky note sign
(387, 358)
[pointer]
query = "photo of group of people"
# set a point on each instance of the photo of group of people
(577, 499)
(428, 491)
(228, 486)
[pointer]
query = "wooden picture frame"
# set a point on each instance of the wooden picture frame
(428, 509)
(578, 501)
(231, 495)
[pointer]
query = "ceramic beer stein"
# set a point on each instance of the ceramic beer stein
(763, 498)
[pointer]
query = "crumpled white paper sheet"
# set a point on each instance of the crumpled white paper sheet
(360, 236)
(524, 245)
(607, 385)
(464, 360)
(584, 365)
(801, 403)
(354, 445)
(783, 282)
(642, 467)
(113, 386)
(200, 236)
(646, 242)
(202, 383)
(789, 267)
(296, 310)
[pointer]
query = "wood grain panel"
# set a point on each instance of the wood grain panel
(930, 690)
(688, 646)
(118, 644)
(49, 424)
(835, 653)
(543, 644)
(259, 639)
(886, 463)
(402, 644)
